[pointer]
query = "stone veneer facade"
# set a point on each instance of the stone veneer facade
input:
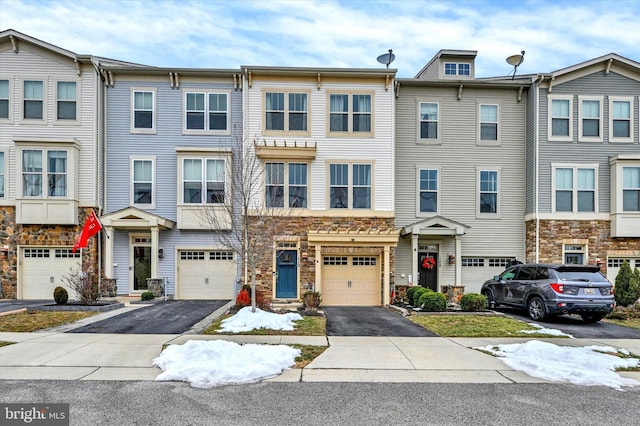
(295, 228)
(13, 235)
(596, 234)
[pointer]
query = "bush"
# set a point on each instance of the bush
(473, 302)
(416, 295)
(410, 292)
(147, 295)
(85, 282)
(627, 289)
(430, 301)
(60, 295)
(311, 299)
(243, 299)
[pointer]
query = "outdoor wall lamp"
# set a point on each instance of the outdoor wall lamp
(452, 259)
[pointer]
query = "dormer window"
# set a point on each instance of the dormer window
(452, 68)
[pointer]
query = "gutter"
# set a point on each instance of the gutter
(536, 87)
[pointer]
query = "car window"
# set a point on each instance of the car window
(526, 273)
(542, 273)
(581, 276)
(508, 274)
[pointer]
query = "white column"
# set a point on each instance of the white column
(414, 257)
(318, 261)
(108, 252)
(458, 255)
(155, 236)
(386, 280)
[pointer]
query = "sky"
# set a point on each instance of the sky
(207, 364)
(333, 33)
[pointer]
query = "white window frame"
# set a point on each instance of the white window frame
(438, 191)
(351, 114)
(133, 160)
(630, 100)
(287, 112)
(495, 141)
(624, 188)
(574, 190)
(42, 120)
(286, 184)
(559, 138)
(575, 248)
(154, 110)
(203, 180)
(44, 173)
(479, 192)
(9, 98)
(351, 186)
(3, 174)
(600, 100)
(207, 111)
(72, 121)
(426, 140)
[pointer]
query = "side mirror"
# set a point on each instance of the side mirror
(496, 277)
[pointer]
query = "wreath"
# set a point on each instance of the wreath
(429, 262)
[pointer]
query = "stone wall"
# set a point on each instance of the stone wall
(12, 235)
(596, 234)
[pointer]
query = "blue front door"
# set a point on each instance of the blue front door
(287, 274)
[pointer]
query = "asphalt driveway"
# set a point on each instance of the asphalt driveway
(7, 305)
(171, 317)
(370, 321)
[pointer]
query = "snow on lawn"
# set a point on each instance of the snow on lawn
(245, 320)
(585, 365)
(543, 330)
(206, 364)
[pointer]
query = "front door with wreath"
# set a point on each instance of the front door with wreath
(428, 270)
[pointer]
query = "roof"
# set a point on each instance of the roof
(450, 53)
(313, 71)
(13, 35)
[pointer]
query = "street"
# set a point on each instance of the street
(170, 403)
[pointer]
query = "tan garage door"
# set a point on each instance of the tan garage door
(351, 281)
(42, 270)
(206, 274)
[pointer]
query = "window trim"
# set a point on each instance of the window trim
(206, 130)
(428, 141)
(72, 152)
(623, 189)
(420, 213)
(456, 68)
(581, 138)
(488, 215)
(479, 139)
(584, 251)
(3, 174)
(550, 136)
(350, 185)
(10, 100)
(286, 183)
(154, 110)
(350, 114)
(42, 120)
(574, 189)
(132, 160)
(203, 179)
(286, 111)
(67, 121)
(630, 100)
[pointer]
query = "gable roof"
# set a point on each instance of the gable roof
(16, 36)
(606, 60)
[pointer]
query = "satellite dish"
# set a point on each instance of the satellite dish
(387, 58)
(515, 61)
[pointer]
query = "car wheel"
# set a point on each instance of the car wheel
(537, 310)
(491, 302)
(591, 318)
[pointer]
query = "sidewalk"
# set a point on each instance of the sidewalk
(54, 355)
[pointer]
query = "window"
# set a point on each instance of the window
(631, 189)
(451, 68)
(428, 190)
(574, 254)
(206, 111)
(35, 172)
(560, 117)
(66, 100)
(342, 106)
(428, 120)
(1, 174)
(143, 111)
(4, 98)
(489, 122)
(473, 262)
(142, 182)
(620, 124)
(590, 119)
(575, 189)
(33, 99)
(488, 191)
(286, 111)
(203, 185)
(350, 191)
(464, 69)
(297, 185)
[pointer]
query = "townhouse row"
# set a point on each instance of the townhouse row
(361, 181)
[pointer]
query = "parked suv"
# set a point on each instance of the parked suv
(549, 289)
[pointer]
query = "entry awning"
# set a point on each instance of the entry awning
(134, 218)
(349, 237)
(436, 226)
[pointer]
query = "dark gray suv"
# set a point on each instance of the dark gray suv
(550, 289)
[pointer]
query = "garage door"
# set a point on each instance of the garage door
(351, 281)
(43, 269)
(206, 274)
(614, 264)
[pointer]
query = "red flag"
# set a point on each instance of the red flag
(91, 227)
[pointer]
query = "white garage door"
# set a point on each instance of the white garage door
(351, 281)
(206, 274)
(614, 264)
(43, 269)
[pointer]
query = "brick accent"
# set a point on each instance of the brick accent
(595, 233)
(13, 235)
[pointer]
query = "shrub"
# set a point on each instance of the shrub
(627, 289)
(431, 301)
(410, 292)
(311, 299)
(60, 295)
(243, 299)
(85, 282)
(473, 302)
(147, 295)
(416, 295)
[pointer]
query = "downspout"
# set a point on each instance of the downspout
(536, 163)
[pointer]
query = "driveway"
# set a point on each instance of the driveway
(171, 317)
(370, 321)
(7, 305)
(573, 325)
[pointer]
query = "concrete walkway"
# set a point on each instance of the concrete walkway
(55, 355)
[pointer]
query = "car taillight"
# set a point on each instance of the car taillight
(558, 288)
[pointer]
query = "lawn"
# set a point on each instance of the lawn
(475, 326)
(308, 326)
(631, 322)
(39, 320)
